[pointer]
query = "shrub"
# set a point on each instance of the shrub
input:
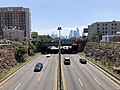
(20, 51)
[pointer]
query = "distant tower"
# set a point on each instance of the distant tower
(78, 34)
(71, 34)
(53, 35)
(75, 34)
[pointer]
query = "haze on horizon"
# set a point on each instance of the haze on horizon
(47, 15)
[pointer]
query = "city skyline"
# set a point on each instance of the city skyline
(72, 33)
(47, 15)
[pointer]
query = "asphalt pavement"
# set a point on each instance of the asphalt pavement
(84, 76)
(77, 76)
(27, 79)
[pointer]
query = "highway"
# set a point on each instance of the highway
(27, 79)
(84, 76)
(77, 76)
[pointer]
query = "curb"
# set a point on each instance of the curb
(9, 76)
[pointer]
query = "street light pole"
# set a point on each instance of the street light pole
(59, 28)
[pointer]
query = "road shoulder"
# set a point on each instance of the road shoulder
(9, 76)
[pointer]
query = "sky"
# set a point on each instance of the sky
(47, 15)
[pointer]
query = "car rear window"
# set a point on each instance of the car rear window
(37, 65)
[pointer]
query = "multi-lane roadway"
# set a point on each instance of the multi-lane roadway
(27, 79)
(77, 76)
(85, 77)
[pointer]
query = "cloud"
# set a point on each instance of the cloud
(64, 32)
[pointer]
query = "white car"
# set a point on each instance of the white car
(67, 61)
(48, 55)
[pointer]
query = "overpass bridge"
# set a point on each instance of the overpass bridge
(67, 46)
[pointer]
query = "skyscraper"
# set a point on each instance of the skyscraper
(74, 33)
(77, 32)
(17, 18)
(71, 34)
(53, 36)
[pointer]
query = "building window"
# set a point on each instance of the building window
(115, 31)
(115, 27)
(97, 28)
(106, 24)
(106, 28)
(112, 28)
(103, 28)
(112, 24)
(103, 31)
(97, 24)
(112, 31)
(103, 24)
(115, 24)
(106, 32)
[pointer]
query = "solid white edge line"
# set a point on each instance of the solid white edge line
(96, 81)
(80, 82)
(101, 72)
(18, 86)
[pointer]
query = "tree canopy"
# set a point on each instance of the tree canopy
(96, 36)
(34, 35)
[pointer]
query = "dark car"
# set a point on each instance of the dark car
(66, 61)
(83, 61)
(38, 67)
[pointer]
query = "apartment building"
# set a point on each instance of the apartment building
(13, 34)
(15, 18)
(106, 28)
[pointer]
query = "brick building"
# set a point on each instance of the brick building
(17, 18)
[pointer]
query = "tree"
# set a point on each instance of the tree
(37, 39)
(34, 35)
(99, 35)
(20, 51)
(16, 39)
(44, 38)
(96, 36)
(31, 48)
